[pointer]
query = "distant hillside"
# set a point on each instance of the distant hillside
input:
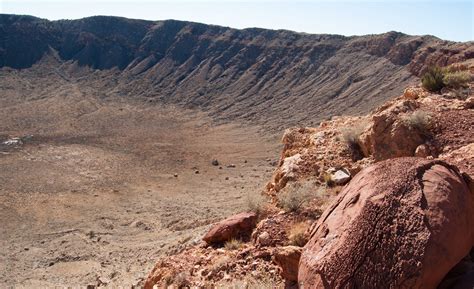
(271, 77)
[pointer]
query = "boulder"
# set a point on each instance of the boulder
(401, 223)
(235, 227)
(288, 258)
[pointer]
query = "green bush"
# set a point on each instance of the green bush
(432, 80)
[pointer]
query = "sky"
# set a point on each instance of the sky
(450, 20)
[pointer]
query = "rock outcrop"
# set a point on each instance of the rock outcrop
(401, 223)
(288, 259)
(239, 226)
(392, 135)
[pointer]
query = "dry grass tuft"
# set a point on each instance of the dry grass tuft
(297, 234)
(351, 136)
(295, 195)
(233, 244)
(256, 203)
(419, 120)
(458, 79)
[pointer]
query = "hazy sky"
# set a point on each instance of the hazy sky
(452, 20)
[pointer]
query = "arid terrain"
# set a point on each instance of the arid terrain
(90, 195)
(122, 143)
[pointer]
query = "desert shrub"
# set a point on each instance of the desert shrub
(461, 93)
(297, 234)
(419, 120)
(457, 79)
(432, 80)
(455, 67)
(327, 178)
(351, 136)
(256, 203)
(296, 194)
(233, 244)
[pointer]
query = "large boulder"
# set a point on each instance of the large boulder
(401, 223)
(235, 227)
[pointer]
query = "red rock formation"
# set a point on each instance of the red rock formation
(288, 258)
(389, 135)
(401, 223)
(235, 227)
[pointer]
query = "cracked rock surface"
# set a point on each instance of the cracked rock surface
(401, 223)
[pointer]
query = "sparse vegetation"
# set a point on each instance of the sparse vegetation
(295, 195)
(432, 80)
(351, 136)
(256, 203)
(454, 77)
(328, 179)
(419, 120)
(457, 79)
(233, 244)
(297, 234)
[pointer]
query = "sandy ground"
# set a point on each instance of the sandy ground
(91, 196)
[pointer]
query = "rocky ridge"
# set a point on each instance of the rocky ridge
(273, 77)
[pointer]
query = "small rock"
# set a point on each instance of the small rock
(141, 225)
(231, 166)
(196, 172)
(13, 142)
(226, 178)
(341, 177)
(102, 281)
(412, 93)
(175, 175)
(469, 103)
(215, 162)
(422, 151)
(264, 239)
